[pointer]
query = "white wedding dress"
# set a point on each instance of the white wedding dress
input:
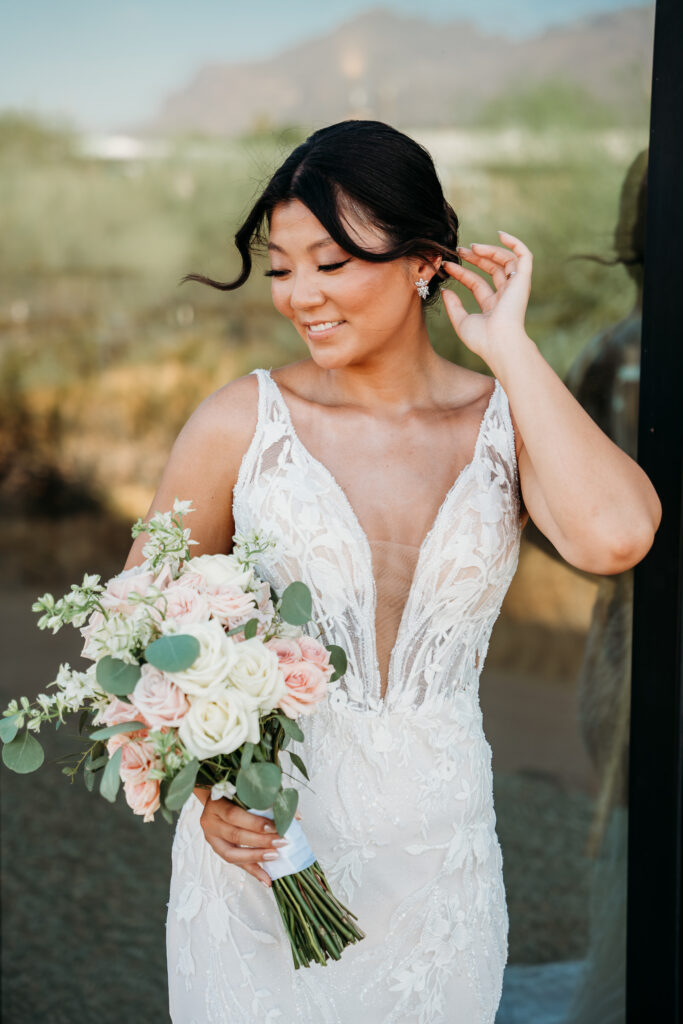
(400, 807)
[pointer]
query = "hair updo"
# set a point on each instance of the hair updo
(362, 170)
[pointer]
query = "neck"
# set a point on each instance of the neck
(399, 377)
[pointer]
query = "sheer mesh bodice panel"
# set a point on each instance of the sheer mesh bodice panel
(415, 622)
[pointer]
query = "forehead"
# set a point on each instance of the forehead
(293, 224)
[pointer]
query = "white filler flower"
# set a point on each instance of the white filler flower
(209, 673)
(219, 725)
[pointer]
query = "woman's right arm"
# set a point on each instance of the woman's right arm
(203, 467)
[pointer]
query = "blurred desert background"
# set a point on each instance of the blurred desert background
(103, 356)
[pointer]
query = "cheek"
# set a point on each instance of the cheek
(280, 295)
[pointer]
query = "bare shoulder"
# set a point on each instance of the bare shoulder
(229, 413)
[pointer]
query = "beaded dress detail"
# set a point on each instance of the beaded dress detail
(400, 806)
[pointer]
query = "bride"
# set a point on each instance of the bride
(396, 485)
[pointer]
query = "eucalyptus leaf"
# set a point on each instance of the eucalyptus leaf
(258, 784)
(115, 676)
(166, 815)
(23, 754)
(296, 760)
(82, 720)
(337, 660)
(247, 754)
(111, 780)
(291, 728)
(112, 730)
(8, 727)
(89, 780)
(97, 763)
(250, 629)
(284, 807)
(173, 653)
(181, 786)
(296, 606)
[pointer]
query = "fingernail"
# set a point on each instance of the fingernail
(266, 884)
(268, 828)
(271, 855)
(280, 842)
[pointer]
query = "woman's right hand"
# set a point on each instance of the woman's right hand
(238, 836)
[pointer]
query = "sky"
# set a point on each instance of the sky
(104, 65)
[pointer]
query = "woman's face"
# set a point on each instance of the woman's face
(346, 309)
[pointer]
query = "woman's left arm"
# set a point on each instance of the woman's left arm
(590, 499)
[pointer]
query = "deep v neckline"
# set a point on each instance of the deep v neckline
(363, 537)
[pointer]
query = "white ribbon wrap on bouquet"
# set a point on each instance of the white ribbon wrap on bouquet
(295, 857)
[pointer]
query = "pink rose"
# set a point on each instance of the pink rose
(288, 650)
(117, 711)
(230, 605)
(159, 701)
(306, 685)
(183, 602)
(119, 589)
(312, 650)
(137, 757)
(142, 797)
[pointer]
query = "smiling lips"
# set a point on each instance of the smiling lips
(322, 326)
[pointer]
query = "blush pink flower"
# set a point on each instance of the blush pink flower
(159, 701)
(118, 711)
(118, 590)
(288, 650)
(312, 650)
(183, 602)
(91, 626)
(306, 686)
(142, 797)
(230, 605)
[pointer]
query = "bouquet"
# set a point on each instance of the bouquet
(199, 672)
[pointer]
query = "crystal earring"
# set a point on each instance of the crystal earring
(422, 288)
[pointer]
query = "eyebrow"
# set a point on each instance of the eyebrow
(327, 240)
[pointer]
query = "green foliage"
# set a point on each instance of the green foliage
(297, 604)
(112, 730)
(338, 661)
(250, 629)
(9, 727)
(296, 760)
(23, 754)
(284, 808)
(115, 676)
(181, 786)
(111, 780)
(547, 106)
(291, 728)
(172, 653)
(258, 784)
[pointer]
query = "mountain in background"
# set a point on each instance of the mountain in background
(417, 73)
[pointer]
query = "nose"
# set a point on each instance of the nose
(306, 292)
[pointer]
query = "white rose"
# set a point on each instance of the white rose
(219, 570)
(208, 673)
(219, 725)
(257, 674)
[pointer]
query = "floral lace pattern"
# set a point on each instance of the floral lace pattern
(400, 805)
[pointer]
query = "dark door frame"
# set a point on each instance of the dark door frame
(653, 955)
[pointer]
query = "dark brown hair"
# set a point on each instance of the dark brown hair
(364, 170)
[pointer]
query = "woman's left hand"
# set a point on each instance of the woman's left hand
(502, 307)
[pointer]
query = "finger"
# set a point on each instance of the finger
(258, 872)
(480, 288)
(244, 836)
(454, 308)
(498, 273)
(239, 818)
(239, 855)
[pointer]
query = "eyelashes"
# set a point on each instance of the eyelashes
(325, 267)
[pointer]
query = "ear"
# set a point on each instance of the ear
(427, 268)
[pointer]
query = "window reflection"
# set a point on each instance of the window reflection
(567, 966)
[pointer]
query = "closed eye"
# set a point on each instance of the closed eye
(325, 267)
